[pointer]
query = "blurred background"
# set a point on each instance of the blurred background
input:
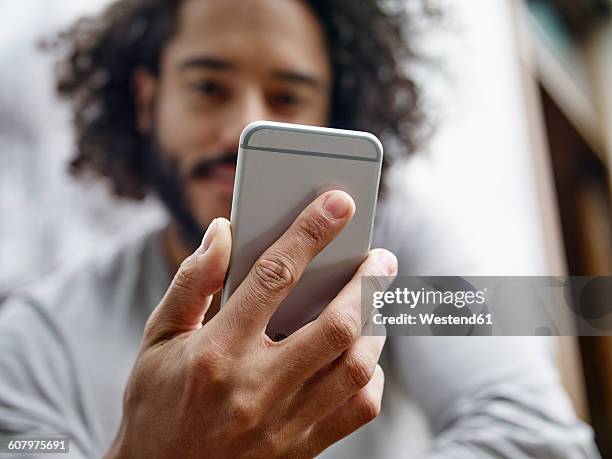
(519, 163)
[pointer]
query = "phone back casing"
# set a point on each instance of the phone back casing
(281, 168)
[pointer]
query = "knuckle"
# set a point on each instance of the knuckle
(209, 369)
(376, 282)
(367, 407)
(274, 273)
(340, 330)
(313, 229)
(358, 370)
(245, 412)
(185, 276)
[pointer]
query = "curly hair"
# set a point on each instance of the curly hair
(370, 48)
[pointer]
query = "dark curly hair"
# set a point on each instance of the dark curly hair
(370, 46)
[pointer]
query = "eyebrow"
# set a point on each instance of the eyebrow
(213, 63)
(298, 77)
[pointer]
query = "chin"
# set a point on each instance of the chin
(223, 205)
(213, 212)
(211, 205)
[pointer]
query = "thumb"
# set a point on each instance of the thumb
(198, 278)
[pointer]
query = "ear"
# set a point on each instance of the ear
(143, 87)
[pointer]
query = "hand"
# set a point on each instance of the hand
(224, 389)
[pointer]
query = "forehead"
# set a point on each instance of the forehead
(255, 33)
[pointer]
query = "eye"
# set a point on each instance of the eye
(287, 99)
(210, 88)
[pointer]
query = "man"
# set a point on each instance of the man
(162, 90)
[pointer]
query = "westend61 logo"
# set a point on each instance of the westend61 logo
(413, 298)
(435, 307)
(426, 306)
(487, 305)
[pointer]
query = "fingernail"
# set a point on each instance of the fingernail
(209, 235)
(335, 206)
(388, 262)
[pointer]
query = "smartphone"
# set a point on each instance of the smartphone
(281, 169)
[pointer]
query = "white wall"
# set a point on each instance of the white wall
(46, 218)
(480, 172)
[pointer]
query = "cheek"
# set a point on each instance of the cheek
(179, 127)
(319, 113)
(322, 113)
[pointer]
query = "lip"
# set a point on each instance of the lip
(223, 175)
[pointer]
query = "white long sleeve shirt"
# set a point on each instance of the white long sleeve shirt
(68, 344)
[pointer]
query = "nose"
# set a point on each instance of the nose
(251, 106)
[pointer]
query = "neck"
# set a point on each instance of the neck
(175, 250)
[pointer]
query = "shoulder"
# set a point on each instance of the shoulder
(101, 295)
(106, 275)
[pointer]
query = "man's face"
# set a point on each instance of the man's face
(231, 62)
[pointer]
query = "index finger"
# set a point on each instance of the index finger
(280, 267)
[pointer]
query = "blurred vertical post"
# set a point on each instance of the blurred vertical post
(568, 53)
(567, 350)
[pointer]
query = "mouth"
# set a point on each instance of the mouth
(220, 170)
(223, 176)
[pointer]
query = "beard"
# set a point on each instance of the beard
(164, 177)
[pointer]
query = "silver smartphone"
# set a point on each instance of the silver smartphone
(281, 169)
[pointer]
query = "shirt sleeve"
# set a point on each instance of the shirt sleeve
(491, 397)
(39, 392)
(484, 396)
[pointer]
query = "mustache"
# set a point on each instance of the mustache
(205, 167)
